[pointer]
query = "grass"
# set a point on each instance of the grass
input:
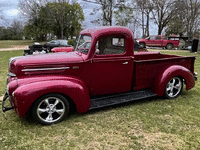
(16, 43)
(153, 123)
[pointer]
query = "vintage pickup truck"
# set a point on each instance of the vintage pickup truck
(158, 41)
(108, 73)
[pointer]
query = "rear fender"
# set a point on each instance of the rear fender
(166, 74)
(25, 95)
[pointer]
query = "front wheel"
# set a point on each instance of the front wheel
(173, 88)
(142, 45)
(50, 109)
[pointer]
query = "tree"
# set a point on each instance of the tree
(62, 18)
(57, 17)
(146, 8)
(190, 12)
(162, 13)
(107, 7)
(175, 26)
(123, 16)
(13, 32)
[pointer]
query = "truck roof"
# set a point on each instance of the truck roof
(97, 31)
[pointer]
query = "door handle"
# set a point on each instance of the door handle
(125, 63)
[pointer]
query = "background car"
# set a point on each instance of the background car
(56, 43)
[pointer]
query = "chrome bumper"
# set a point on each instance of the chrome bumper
(4, 109)
(195, 75)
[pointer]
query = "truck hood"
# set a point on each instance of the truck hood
(43, 63)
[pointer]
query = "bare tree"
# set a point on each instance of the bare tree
(145, 7)
(17, 27)
(190, 11)
(3, 20)
(162, 13)
(107, 7)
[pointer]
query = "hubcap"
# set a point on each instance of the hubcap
(174, 87)
(50, 109)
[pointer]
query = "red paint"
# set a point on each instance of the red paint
(62, 49)
(87, 75)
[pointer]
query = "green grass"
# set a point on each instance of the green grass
(16, 43)
(153, 123)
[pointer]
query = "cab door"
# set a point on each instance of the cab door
(112, 69)
(158, 41)
(151, 41)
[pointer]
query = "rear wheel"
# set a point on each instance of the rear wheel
(50, 109)
(173, 88)
(169, 46)
(142, 45)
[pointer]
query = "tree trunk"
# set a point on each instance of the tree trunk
(147, 25)
(143, 24)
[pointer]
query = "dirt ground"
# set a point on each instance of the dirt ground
(15, 48)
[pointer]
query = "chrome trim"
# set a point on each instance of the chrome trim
(13, 94)
(11, 59)
(11, 74)
(195, 74)
(45, 69)
(4, 109)
(75, 67)
(125, 63)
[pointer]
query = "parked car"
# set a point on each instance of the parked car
(36, 47)
(108, 73)
(158, 41)
(56, 43)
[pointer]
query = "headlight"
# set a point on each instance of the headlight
(13, 94)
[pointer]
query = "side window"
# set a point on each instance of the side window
(158, 37)
(152, 38)
(110, 45)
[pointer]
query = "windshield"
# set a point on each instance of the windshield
(83, 43)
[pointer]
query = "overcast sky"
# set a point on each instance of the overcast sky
(9, 10)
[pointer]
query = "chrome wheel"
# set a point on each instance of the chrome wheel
(51, 109)
(174, 87)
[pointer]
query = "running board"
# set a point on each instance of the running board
(120, 98)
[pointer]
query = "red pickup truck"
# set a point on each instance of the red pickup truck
(107, 73)
(158, 41)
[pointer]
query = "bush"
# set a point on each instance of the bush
(71, 42)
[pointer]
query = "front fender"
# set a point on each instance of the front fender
(166, 74)
(25, 95)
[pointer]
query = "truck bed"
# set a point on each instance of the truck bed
(148, 65)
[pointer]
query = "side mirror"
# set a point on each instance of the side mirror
(97, 52)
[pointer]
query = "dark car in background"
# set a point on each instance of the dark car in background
(56, 43)
(38, 48)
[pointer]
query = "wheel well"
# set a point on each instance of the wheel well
(170, 43)
(71, 104)
(142, 43)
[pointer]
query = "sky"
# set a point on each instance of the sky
(9, 10)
